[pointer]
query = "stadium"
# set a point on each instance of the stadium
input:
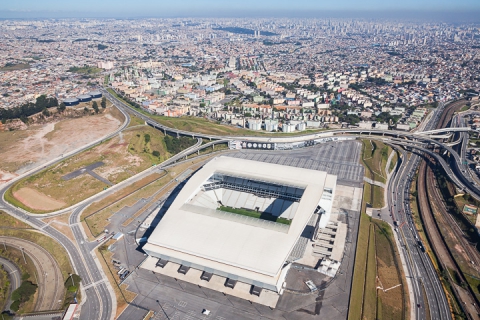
(236, 226)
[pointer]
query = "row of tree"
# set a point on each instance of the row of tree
(29, 109)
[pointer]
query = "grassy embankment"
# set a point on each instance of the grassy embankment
(374, 158)
(12, 227)
(378, 281)
(205, 126)
(378, 287)
(4, 288)
(394, 161)
(123, 156)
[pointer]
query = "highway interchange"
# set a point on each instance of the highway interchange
(100, 301)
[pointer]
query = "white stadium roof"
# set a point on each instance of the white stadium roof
(227, 242)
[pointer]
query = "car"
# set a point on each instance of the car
(206, 312)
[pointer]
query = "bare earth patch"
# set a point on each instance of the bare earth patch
(37, 200)
(21, 151)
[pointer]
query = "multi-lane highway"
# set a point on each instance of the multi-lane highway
(100, 300)
(426, 286)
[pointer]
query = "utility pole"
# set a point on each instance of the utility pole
(23, 254)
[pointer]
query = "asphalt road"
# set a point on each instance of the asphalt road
(423, 277)
(14, 275)
(98, 299)
(99, 304)
(48, 274)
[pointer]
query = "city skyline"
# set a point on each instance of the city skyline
(429, 9)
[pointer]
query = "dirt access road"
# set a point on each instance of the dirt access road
(51, 289)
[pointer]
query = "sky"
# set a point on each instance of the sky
(227, 8)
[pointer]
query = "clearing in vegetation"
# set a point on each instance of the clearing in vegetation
(125, 155)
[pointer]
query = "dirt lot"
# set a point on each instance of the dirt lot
(123, 156)
(23, 150)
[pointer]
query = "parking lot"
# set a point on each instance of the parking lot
(337, 158)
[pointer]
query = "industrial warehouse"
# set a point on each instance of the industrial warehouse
(238, 225)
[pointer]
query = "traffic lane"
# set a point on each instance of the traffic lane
(14, 275)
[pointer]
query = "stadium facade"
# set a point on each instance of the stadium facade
(241, 221)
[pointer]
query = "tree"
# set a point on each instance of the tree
(61, 107)
(72, 289)
(146, 136)
(155, 153)
(24, 292)
(95, 106)
(45, 112)
(72, 280)
(104, 102)
(85, 110)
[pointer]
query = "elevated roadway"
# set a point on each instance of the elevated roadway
(100, 302)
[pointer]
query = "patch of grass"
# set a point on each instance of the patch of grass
(85, 70)
(123, 157)
(255, 214)
(378, 199)
(4, 288)
(464, 108)
(389, 273)
(359, 271)
(374, 158)
(373, 195)
(474, 283)
(135, 121)
(15, 66)
(370, 292)
(394, 161)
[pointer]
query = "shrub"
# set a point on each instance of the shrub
(15, 305)
(24, 292)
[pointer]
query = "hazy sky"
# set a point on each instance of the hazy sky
(162, 8)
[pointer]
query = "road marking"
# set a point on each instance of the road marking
(182, 304)
(93, 284)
